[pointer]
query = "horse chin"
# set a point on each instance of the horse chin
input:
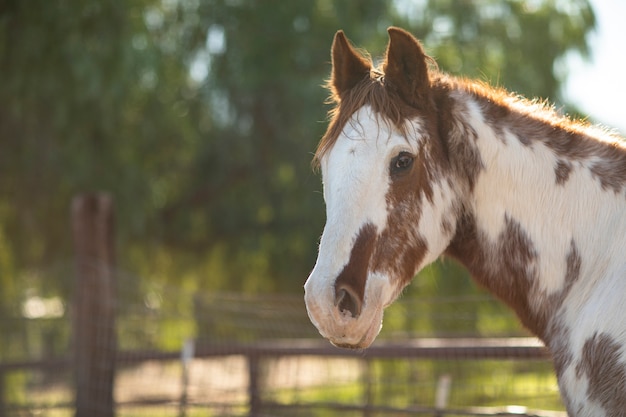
(364, 343)
(359, 334)
(347, 346)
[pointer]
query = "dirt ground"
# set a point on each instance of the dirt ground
(226, 380)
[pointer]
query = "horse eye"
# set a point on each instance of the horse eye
(402, 162)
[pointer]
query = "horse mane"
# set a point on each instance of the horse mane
(536, 109)
(372, 91)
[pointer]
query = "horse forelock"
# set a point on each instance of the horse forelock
(370, 91)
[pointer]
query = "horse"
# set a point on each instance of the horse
(417, 164)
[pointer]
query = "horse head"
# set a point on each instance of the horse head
(388, 201)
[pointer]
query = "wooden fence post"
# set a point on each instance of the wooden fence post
(254, 394)
(186, 357)
(93, 315)
(3, 412)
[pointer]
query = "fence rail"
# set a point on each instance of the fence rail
(103, 336)
(254, 354)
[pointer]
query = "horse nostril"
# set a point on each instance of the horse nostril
(347, 302)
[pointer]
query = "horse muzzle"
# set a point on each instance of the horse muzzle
(341, 317)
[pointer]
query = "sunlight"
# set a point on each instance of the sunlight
(597, 87)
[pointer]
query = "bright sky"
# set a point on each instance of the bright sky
(598, 87)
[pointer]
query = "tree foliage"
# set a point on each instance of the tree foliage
(200, 117)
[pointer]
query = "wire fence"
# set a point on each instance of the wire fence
(188, 353)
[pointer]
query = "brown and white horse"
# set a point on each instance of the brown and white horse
(417, 164)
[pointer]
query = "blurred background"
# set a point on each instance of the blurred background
(199, 119)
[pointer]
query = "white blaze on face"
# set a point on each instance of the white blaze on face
(356, 181)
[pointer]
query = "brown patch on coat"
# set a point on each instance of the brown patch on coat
(572, 272)
(570, 140)
(400, 248)
(457, 137)
(354, 274)
(562, 170)
(611, 172)
(507, 268)
(448, 155)
(557, 336)
(573, 263)
(601, 362)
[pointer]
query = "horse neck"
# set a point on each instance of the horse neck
(542, 213)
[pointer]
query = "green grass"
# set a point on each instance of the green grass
(413, 383)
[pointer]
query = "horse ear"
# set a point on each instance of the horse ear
(405, 66)
(349, 67)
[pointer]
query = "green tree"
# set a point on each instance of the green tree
(254, 190)
(511, 43)
(95, 96)
(201, 117)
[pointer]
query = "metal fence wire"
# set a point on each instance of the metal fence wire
(188, 353)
